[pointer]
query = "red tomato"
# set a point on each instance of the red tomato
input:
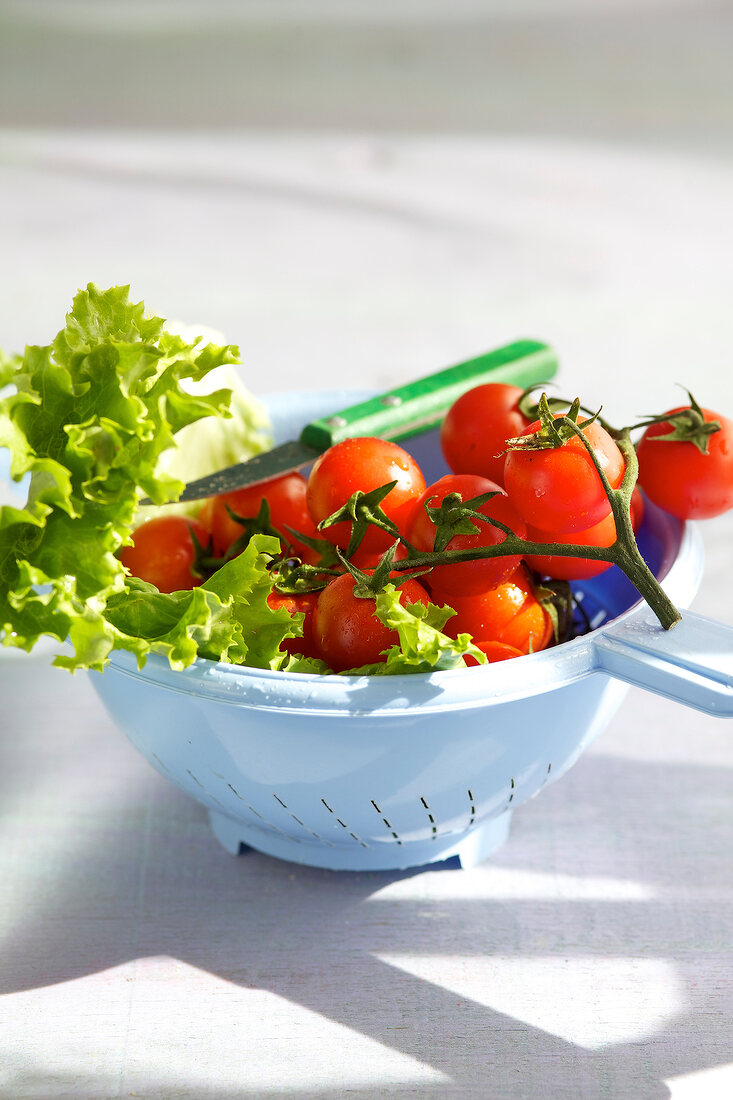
(304, 602)
(346, 630)
(286, 498)
(496, 651)
(163, 552)
(206, 512)
(470, 577)
(363, 463)
(559, 489)
(477, 426)
(681, 479)
(509, 614)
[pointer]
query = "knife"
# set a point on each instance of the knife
(395, 415)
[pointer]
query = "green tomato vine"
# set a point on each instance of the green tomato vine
(457, 516)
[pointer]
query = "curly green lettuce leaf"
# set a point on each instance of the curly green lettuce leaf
(179, 625)
(296, 662)
(8, 366)
(87, 419)
(422, 647)
(212, 444)
(247, 581)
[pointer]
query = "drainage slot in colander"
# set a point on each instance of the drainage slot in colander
(270, 825)
(512, 785)
(203, 788)
(387, 823)
(472, 801)
(431, 819)
(344, 825)
(302, 824)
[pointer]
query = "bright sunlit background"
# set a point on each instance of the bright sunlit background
(381, 187)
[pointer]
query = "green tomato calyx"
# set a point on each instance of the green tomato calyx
(455, 516)
(555, 428)
(686, 426)
(362, 510)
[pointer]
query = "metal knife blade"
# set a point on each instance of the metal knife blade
(281, 459)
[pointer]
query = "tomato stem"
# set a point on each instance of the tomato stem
(626, 553)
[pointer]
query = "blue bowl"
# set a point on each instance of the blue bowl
(372, 773)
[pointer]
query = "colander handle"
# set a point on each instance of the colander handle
(692, 663)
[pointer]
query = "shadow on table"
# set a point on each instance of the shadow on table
(311, 936)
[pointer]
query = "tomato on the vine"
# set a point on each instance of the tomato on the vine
(286, 499)
(558, 488)
(572, 569)
(581, 569)
(164, 552)
(683, 480)
(363, 463)
(469, 577)
(509, 614)
(346, 630)
(476, 427)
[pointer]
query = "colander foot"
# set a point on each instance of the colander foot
(485, 840)
(228, 832)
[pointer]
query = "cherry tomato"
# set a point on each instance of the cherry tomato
(495, 651)
(346, 630)
(682, 480)
(286, 497)
(363, 463)
(559, 489)
(477, 426)
(510, 615)
(467, 578)
(304, 602)
(163, 552)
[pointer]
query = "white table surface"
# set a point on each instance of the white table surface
(591, 956)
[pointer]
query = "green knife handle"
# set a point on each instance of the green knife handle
(421, 405)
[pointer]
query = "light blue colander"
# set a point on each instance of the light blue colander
(367, 773)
